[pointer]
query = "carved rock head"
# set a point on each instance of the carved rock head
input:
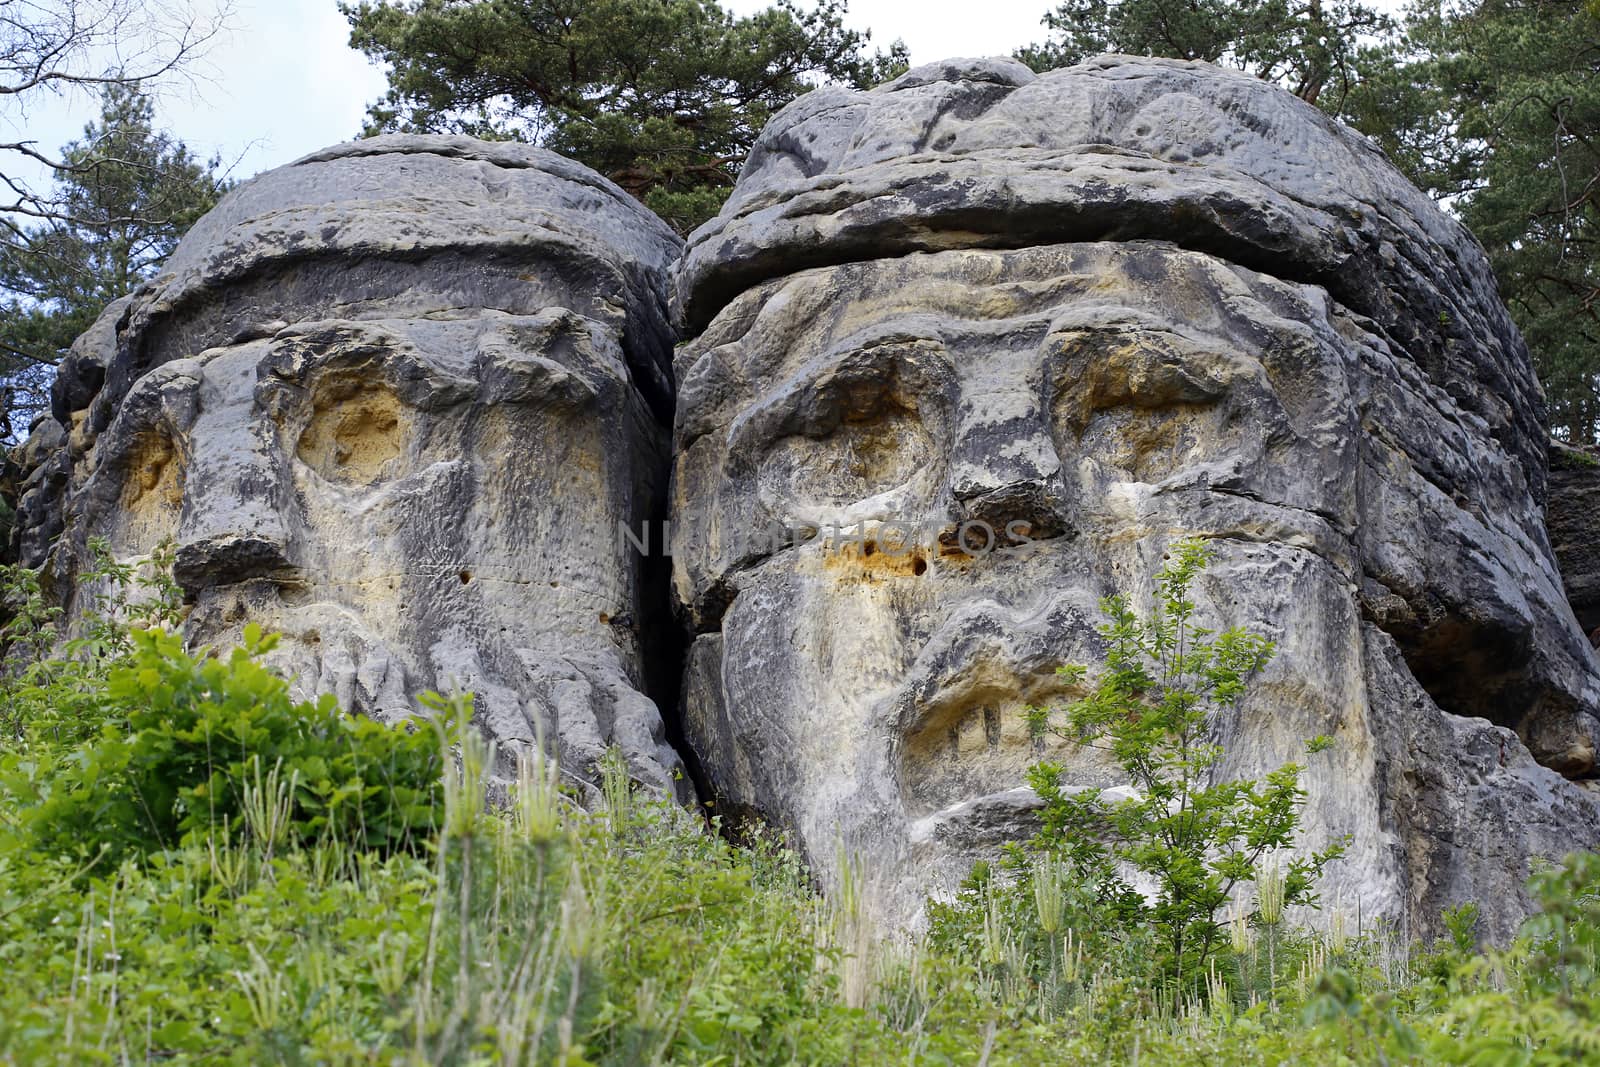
(395, 400)
(968, 351)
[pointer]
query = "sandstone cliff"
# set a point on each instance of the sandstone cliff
(1120, 303)
(393, 400)
(396, 399)
(1573, 519)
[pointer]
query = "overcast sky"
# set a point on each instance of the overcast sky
(284, 81)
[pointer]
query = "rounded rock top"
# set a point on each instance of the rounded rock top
(359, 224)
(982, 153)
(413, 193)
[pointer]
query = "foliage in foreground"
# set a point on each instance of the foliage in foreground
(266, 930)
(1197, 837)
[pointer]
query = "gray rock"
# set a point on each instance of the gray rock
(967, 352)
(982, 153)
(1099, 310)
(394, 400)
(1573, 518)
(1465, 807)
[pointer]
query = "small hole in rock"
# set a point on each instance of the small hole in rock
(465, 576)
(919, 566)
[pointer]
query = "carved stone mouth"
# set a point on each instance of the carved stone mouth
(962, 735)
(974, 744)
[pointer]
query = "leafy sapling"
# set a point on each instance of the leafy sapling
(1156, 708)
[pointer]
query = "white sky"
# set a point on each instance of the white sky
(939, 29)
(284, 81)
(280, 83)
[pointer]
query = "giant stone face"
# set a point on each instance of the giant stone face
(395, 401)
(970, 350)
(961, 355)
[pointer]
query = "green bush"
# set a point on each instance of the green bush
(201, 871)
(53, 685)
(211, 745)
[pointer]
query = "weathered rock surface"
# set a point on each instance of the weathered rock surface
(393, 400)
(1573, 519)
(1108, 307)
(966, 353)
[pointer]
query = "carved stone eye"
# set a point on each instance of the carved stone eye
(152, 494)
(863, 428)
(871, 450)
(1145, 405)
(357, 433)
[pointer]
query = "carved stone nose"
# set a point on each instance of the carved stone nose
(224, 558)
(236, 494)
(1007, 474)
(1032, 510)
(990, 473)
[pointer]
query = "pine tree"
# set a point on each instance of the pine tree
(664, 97)
(1311, 49)
(1493, 106)
(125, 193)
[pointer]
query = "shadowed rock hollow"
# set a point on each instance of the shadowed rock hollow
(1573, 517)
(1117, 304)
(395, 399)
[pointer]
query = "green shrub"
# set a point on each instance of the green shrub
(1538, 1001)
(1154, 710)
(52, 685)
(323, 890)
(1060, 926)
(205, 745)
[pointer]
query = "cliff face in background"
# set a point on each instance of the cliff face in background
(1573, 518)
(396, 399)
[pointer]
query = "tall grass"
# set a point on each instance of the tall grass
(431, 926)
